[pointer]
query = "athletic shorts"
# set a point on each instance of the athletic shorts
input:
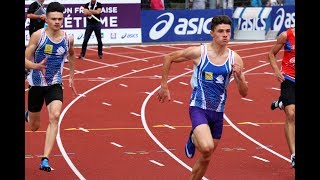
(287, 94)
(37, 95)
(214, 119)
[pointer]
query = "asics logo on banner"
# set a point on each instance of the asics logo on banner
(283, 18)
(79, 36)
(155, 34)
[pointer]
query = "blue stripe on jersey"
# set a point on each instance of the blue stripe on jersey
(56, 53)
(212, 81)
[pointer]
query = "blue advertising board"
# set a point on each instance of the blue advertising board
(282, 18)
(178, 25)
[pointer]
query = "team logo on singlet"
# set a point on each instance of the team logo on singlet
(208, 76)
(220, 79)
(48, 48)
(60, 50)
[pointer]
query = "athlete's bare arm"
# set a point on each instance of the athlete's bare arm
(71, 57)
(190, 53)
(281, 40)
(239, 76)
(30, 51)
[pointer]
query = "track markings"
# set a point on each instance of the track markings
(83, 129)
(116, 144)
(275, 88)
(133, 113)
(170, 127)
(123, 85)
(183, 83)
(157, 163)
(106, 104)
(268, 73)
(261, 159)
(179, 102)
(246, 99)
(231, 149)
(251, 123)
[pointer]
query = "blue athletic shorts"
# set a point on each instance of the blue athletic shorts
(214, 119)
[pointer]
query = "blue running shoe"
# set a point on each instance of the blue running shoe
(26, 114)
(190, 148)
(45, 165)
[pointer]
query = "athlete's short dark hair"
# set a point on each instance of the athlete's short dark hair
(222, 19)
(55, 7)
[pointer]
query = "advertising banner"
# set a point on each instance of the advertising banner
(121, 17)
(178, 25)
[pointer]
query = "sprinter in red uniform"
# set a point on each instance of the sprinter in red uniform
(286, 76)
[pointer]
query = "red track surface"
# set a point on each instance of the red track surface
(130, 132)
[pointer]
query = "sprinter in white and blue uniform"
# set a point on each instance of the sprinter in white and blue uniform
(49, 46)
(214, 65)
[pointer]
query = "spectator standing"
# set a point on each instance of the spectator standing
(198, 4)
(92, 11)
(37, 16)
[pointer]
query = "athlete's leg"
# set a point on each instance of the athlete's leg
(54, 110)
(290, 127)
(204, 143)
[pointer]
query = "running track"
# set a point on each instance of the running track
(116, 128)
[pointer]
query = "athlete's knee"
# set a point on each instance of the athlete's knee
(54, 117)
(206, 149)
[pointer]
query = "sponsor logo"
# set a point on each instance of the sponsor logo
(113, 35)
(251, 24)
(124, 36)
(283, 19)
(208, 75)
(184, 26)
(220, 79)
(60, 51)
(48, 48)
(80, 36)
(129, 36)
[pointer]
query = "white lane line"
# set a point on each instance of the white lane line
(106, 104)
(275, 88)
(124, 85)
(268, 73)
(133, 113)
(155, 162)
(246, 99)
(179, 102)
(58, 138)
(260, 158)
(116, 144)
(171, 127)
(183, 83)
(251, 123)
(83, 129)
(145, 125)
